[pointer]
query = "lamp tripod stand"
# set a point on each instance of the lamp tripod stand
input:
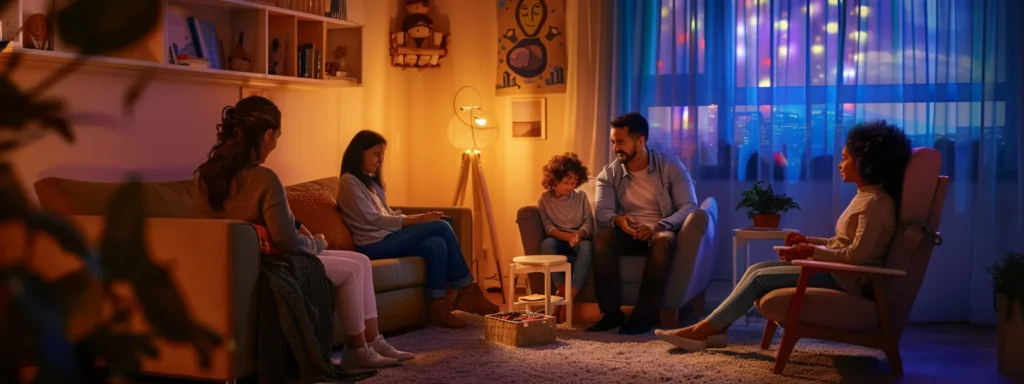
(482, 210)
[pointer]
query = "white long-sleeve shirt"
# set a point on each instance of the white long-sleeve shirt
(366, 211)
(863, 234)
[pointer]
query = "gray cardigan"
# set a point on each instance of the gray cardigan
(365, 211)
(258, 197)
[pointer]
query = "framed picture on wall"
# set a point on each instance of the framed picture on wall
(529, 118)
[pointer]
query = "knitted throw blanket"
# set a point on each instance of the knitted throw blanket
(295, 322)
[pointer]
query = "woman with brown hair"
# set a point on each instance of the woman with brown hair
(233, 184)
(381, 232)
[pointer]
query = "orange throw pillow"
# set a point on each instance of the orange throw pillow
(318, 211)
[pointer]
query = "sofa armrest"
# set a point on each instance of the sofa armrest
(213, 263)
(462, 224)
(695, 256)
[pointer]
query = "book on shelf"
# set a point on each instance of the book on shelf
(204, 39)
(338, 9)
(309, 61)
(318, 59)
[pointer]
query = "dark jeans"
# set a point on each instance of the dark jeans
(609, 244)
(435, 241)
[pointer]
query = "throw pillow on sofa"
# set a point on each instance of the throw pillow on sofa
(318, 211)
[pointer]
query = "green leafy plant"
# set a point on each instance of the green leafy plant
(63, 327)
(1008, 280)
(764, 201)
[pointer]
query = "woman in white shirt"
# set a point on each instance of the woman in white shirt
(875, 158)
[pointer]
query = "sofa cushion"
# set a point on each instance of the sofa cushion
(318, 211)
(820, 308)
(398, 273)
(328, 183)
(172, 199)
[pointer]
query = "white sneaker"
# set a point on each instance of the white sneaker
(365, 357)
(384, 349)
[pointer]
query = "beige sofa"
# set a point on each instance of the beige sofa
(215, 263)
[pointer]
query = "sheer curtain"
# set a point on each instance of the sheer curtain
(588, 89)
(749, 90)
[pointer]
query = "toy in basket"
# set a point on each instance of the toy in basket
(519, 328)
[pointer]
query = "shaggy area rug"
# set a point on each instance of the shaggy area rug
(463, 356)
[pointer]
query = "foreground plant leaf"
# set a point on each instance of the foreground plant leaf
(61, 229)
(121, 351)
(103, 26)
(18, 110)
(125, 257)
(81, 298)
(134, 93)
(12, 62)
(13, 204)
(36, 303)
(12, 340)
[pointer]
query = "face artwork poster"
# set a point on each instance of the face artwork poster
(531, 47)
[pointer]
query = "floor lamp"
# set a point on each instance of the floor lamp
(474, 133)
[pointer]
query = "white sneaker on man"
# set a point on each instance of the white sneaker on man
(365, 357)
(384, 349)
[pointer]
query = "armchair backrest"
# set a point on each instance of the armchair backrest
(924, 193)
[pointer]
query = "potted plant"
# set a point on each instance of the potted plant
(1008, 299)
(765, 206)
(58, 330)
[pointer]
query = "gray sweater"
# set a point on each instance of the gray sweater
(366, 212)
(257, 196)
(571, 213)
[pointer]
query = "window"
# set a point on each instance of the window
(773, 98)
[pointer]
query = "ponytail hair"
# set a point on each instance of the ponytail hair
(239, 138)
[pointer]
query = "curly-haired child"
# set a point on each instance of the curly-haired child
(567, 217)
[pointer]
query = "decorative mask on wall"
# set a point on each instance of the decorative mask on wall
(418, 45)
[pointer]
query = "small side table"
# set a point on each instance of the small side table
(742, 237)
(541, 264)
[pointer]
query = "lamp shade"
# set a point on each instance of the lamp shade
(471, 127)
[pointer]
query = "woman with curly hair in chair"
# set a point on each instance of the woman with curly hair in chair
(875, 159)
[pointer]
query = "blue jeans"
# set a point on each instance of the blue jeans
(579, 256)
(435, 241)
(760, 279)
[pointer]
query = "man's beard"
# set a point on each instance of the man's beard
(626, 157)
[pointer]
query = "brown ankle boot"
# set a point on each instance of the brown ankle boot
(440, 314)
(471, 299)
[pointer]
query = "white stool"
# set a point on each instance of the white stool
(541, 264)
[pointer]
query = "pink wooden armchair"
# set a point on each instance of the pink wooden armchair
(876, 322)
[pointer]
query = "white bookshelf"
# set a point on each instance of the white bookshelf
(258, 24)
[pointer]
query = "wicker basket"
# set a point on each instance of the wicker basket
(519, 333)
